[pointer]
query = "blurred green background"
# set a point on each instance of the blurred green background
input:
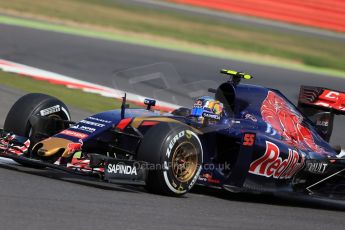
(193, 30)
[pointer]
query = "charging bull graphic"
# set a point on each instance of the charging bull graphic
(288, 123)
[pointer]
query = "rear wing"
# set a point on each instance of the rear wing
(319, 105)
(322, 99)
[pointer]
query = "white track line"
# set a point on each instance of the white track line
(54, 78)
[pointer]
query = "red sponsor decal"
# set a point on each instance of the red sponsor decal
(123, 123)
(209, 178)
(74, 147)
(287, 122)
(272, 165)
(149, 123)
(249, 139)
(74, 134)
(331, 99)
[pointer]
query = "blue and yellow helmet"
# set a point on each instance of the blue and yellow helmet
(207, 108)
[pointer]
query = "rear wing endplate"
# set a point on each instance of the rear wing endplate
(322, 99)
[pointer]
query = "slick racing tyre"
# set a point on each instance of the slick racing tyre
(174, 155)
(19, 118)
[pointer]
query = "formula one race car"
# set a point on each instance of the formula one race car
(244, 139)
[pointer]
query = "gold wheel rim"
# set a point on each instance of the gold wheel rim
(184, 161)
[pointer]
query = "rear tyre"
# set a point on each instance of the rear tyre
(18, 118)
(174, 153)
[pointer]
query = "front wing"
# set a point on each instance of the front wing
(107, 169)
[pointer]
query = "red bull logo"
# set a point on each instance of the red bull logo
(272, 165)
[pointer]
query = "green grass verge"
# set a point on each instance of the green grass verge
(74, 97)
(106, 15)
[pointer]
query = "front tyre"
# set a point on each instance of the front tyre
(174, 153)
(35, 104)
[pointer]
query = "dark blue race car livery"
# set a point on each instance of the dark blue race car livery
(260, 143)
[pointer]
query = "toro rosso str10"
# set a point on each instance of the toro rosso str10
(244, 139)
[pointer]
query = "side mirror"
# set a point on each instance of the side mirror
(149, 103)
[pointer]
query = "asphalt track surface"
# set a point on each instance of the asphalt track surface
(41, 199)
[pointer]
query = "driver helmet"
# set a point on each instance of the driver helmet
(206, 110)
